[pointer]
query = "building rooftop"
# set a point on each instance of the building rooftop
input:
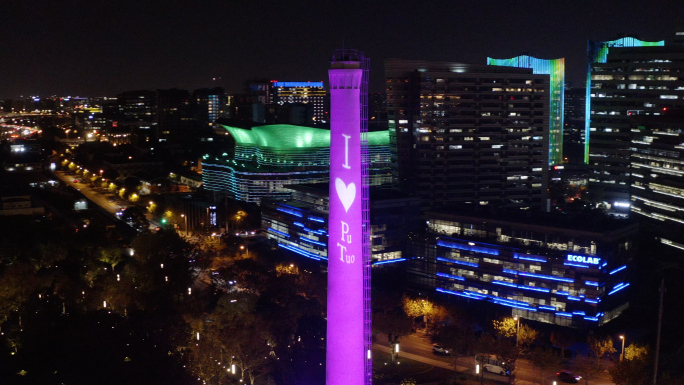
(283, 137)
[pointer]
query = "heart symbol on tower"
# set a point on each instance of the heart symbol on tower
(347, 193)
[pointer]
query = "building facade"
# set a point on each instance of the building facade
(631, 82)
(300, 224)
(267, 159)
(543, 267)
(464, 133)
(555, 68)
(302, 92)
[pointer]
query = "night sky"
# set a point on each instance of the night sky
(101, 48)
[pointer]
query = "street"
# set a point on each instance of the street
(418, 347)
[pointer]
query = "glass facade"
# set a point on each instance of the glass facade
(546, 272)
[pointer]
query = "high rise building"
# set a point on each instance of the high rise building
(173, 113)
(210, 104)
(555, 68)
(302, 92)
(597, 52)
(630, 83)
(657, 167)
(463, 133)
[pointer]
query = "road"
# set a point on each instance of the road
(111, 205)
(418, 347)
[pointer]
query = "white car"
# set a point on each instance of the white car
(436, 349)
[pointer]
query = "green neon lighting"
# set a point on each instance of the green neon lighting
(284, 137)
(555, 68)
(597, 52)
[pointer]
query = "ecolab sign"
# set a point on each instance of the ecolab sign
(583, 259)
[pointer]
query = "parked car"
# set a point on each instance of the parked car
(436, 349)
(568, 376)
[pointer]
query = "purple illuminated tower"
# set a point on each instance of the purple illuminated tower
(348, 356)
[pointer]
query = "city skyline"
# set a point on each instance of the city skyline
(97, 49)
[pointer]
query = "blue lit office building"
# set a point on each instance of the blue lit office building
(565, 271)
(268, 159)
(300, 224)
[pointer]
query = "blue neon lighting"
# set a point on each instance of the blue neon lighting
(618, 287)
(527, 257)
(590, 300)
(471, 264)
(466, 295)
(618, 269)
(312, 241)
(298, 224)
(298, 84)
(579, 313)
(477, 249)
(316, 219)
(301, 252)
(563, 314)
(289, 211)
(591, 283)
(552, 308)
(505, 284)
(541, 276)
(279, 232)
(604, 264)
(571, 298)
(576, 265)
(559, 292)
(591, 318)
(456, 277)
(389, 261)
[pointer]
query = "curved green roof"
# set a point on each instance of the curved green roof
(287, 136)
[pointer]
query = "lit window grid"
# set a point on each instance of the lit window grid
(555, 68)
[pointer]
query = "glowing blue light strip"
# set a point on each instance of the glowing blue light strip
(316, 219)
(559, 292)
(456, 277)
(439, 289)
(298, 84)
(389, 261)
(591, 318)
(312, 241)
(579, 313)
(619, 287)
(301, 252)
(477, 249)
(618, 269)
(564, 314)
(590, 300)
(571, 298)
(541, 276)
(449, 260)
(591, 283)
(576, 265)
(289, 211)
(552, 308)
(298, 224)
(505, 284)
(278, 232)
(528, 257)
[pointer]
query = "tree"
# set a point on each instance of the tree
(526, 335)
(634, 368)
(600, 346)
(416, 307)
(505, 327)
(636, 352)
(544, 359)
(563, 339)
(111, 256)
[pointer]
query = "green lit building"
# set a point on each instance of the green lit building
(597, 52)
(555, 68)
(267, 159)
